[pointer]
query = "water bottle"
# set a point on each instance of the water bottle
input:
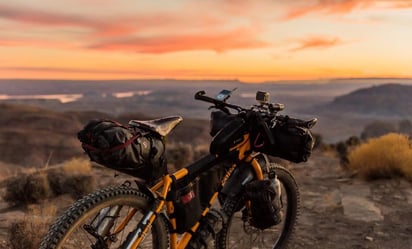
(277, 202)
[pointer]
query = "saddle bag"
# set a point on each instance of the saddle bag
(291, 141)
(128, 150)
(261, 194)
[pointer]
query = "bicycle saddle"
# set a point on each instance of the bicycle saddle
(162, 126)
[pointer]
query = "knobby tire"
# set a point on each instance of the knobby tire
(290, 192)
(89, 205)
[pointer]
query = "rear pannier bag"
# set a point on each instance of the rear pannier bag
(292, 142)
(128, 150)
(261, 194)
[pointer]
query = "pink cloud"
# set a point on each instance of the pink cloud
(317, 42)
(328, 6)
(343, 6)
(31, 16)
(146, 33)
(217, 41)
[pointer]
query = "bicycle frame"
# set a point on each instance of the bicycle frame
(163, 187)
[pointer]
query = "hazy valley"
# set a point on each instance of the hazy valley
(38, 130)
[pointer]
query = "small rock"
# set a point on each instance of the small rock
(358, 208)
(369, 238)
(399, 197)
(382, 234)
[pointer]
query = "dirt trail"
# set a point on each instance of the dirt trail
(337, 212)
(340, 212)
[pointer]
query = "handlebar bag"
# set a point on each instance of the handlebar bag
(292, 142)
(131, 151)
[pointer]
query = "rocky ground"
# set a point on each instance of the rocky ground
(340, 212)
(337, 211)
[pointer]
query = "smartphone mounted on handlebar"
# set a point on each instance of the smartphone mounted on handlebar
(223, 95)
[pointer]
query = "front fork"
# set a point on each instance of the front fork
(137, 235)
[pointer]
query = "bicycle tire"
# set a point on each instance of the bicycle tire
(89, 207)
(225, 239)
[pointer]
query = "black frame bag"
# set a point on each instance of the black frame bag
(187, 206)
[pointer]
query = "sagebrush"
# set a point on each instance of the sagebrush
(28, 232)
(384, 157)
(72, 178)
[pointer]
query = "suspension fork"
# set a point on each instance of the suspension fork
(136, 236)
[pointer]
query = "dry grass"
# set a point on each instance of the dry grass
(25, 189)
(383, 157)
(28, 232)
(73, 177)
(77, 165)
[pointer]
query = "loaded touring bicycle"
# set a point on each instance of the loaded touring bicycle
(245, 201)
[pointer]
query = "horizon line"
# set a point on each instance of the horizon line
(318, 81)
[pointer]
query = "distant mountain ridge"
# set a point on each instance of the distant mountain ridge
(390, 100)
(34, 137)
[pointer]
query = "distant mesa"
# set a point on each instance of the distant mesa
(388, 100)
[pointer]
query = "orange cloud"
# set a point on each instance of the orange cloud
(217, 41)
(328, 6)
(99, 27)
(318, 42)
(120, 33)
(343, 6)
(402, 4)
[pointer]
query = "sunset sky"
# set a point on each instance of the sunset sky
(253, 41)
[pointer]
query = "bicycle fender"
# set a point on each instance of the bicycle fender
(236, 182)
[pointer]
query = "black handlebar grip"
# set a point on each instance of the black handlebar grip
(199, 94)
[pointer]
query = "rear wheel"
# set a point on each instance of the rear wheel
(239, 233)
(91, 222)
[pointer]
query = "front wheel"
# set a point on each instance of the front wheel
(96, 221)
(239, 233)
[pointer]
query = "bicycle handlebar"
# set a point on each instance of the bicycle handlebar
(218, 103)
(256, 113)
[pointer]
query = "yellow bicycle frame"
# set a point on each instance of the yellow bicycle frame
(163, 187)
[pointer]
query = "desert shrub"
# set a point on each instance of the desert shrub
(200, 151)
(383, 157)
(77, 165)
(319, 144)
(25, 189)
(179, 155)
(76, 185)
(344, 148)
(28, 232)
(79, 185)
(70, 178)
